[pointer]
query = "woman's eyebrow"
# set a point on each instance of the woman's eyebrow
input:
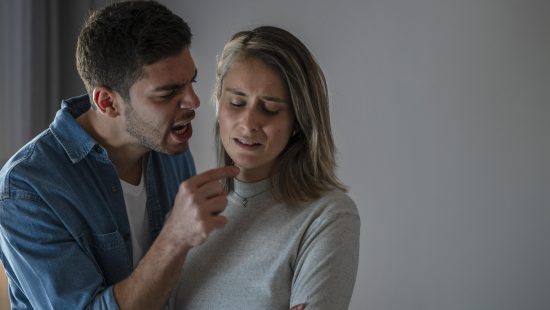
(274, 99)
(235, 91)
(264, 98)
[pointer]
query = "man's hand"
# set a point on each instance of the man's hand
(299, 307)
(194, 215)
(197, 206)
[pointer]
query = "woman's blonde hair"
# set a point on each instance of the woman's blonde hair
(305, 169)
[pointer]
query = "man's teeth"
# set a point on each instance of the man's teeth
(181, 129)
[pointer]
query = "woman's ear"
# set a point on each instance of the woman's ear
(106, 101)
(295, 130)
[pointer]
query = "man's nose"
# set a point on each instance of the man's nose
(190, 99)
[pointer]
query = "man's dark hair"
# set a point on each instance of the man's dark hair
(118, 40)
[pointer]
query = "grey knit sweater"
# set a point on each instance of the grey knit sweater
(273, 256)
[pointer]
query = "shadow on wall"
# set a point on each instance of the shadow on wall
(4, 300)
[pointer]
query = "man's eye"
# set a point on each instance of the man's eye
(168, 95)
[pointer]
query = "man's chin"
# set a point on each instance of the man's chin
(176, 150)
(170, 149)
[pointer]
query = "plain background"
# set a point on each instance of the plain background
(441, 114)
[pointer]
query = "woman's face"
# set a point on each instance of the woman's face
(255, 118)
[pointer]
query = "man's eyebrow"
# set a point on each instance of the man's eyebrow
(174, 86)
(265, 98)
(167, 87)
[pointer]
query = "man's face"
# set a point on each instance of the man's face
(162, 103)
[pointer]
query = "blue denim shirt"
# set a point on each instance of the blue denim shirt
(64, 233)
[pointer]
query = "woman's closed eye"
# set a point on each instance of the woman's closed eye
(270, 110)
(237, 103)
(267, 107)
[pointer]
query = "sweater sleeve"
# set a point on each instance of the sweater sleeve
(326, 264)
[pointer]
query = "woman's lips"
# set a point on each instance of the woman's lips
(247, 143)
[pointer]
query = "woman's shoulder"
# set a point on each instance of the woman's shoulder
(335, 203)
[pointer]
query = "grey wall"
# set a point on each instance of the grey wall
(442, 118)
(4, 75)
(37, 65)
(13, 75)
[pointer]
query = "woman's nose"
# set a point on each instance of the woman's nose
(250, 119)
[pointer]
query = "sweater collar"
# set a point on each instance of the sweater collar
(247, 190)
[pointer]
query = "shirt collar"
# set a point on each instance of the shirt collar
(76, 142)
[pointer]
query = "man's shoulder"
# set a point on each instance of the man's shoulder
(34, 159)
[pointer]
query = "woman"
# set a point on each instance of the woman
(292, 235)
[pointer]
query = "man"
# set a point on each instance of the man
(100, 209)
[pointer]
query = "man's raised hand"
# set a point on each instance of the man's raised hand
(197, 206)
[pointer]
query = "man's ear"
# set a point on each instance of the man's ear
(105, 100)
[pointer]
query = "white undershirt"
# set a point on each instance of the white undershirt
(135, 198)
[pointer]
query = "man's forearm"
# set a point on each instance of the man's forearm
(150, 284)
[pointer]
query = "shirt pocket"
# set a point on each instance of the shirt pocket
(111, 254)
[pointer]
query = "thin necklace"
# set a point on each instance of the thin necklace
(244, 200)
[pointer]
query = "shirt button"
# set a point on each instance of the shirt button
(114, 189)
(97, 148)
